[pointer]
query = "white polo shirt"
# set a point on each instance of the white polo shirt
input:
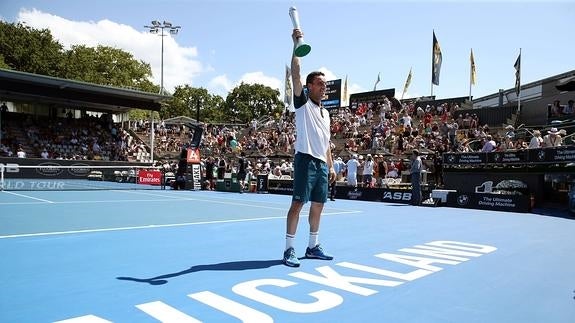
(312, 128)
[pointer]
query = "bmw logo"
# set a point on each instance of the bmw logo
(541, 155)
(462, 199)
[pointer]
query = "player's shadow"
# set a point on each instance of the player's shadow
(224, 266)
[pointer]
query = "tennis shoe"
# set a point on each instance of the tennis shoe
(317, 253)
(290, 259)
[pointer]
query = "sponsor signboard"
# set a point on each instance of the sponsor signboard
(149, 177)
(486, 201)
(197, 176)
(262, 184)
(556, 155)
(346, 192)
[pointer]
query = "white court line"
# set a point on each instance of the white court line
(30, 197)
(286, 206)
(183, 199)
(153, 226)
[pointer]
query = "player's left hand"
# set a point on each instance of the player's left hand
(332, 175)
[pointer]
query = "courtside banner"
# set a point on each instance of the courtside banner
(487, 201)
(562, 154)
(508, 157)
(197, 176)
(541, 156)
(464, 158)
(149, 177)
(285, 187)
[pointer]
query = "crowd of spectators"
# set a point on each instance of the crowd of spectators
(84, 138)
(382, 132)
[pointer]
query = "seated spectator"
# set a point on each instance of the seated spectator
(556, 108)
(489, 145)
(569, 108)
(507, 144)
(536, 141)
(552, 139)
(393, 171)
(21, 153)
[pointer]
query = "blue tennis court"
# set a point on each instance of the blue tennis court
(200, 256)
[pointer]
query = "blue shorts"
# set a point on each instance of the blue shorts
(310, 179)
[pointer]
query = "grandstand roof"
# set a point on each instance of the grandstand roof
(28, 87)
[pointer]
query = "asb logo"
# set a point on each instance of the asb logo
(9, 168)
(397, 196)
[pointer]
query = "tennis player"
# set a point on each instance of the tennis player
(313, 165)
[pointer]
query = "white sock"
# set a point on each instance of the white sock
(290, 238)
(313, 239)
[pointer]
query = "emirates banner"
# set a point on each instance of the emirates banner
(149, 177)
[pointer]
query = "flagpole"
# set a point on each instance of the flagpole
(519, 95)
(470, 74)
(432, 63)
(345, 96)
(407, 82)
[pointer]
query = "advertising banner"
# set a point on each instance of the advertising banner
(149, 177)
(555, 155)
(486, 201)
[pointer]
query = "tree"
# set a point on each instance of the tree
(249, 101)
(30, 50)
(107, 66)
(3, 62)
(189, 101)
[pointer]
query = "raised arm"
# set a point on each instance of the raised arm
(295, 65)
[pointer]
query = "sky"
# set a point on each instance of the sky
(222, 43)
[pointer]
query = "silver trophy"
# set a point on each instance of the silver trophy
(301, 48)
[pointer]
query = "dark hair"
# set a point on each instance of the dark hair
(311, 76)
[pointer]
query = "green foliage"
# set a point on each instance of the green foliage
(107, 66)
(139, 114)
(26, 49)
(3, 62)
(30, 50)
(196, 103)
(249, 101)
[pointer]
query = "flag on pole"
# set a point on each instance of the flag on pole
(517, 66)
(436, 61)
(288, 94)
(378, 79)
(473, 75)
(345, 90)
(407, 83)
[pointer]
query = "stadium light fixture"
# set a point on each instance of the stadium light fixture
(172, 30)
